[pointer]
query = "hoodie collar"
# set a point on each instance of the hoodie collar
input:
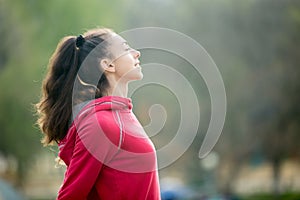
(103, 103)
(111, 103)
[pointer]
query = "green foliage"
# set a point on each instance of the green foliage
(254, 43)
(31, 30)
(285, 196)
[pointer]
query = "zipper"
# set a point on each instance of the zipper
(121, 129)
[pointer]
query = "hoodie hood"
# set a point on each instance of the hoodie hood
(103, 103)
(66, 145)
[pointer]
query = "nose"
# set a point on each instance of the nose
(136, 54)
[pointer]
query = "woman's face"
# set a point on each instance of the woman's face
(125, 60)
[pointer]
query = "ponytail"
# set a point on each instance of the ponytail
(55, 107)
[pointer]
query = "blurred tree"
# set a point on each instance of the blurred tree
(273, 108)
(16, 120)
(29, 32)
(263, 103)
(256, 47)
(254, 43)
(8, 31)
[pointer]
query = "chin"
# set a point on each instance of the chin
(136, 78)
(140, 77)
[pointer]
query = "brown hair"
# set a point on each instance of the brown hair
(55, 107)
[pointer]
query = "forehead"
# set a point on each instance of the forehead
(116, 39)
(116, 45)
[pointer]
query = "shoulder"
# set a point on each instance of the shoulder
(90, 116)
(99, 126)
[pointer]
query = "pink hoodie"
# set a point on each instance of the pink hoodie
(108, 155)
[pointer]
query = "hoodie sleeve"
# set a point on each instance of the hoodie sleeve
(92, 149)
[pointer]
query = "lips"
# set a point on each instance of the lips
(136, 64)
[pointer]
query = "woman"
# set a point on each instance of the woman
(85, 110)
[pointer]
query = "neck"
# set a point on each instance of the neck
(117, 88)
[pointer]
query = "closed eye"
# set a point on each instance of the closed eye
(127, 47)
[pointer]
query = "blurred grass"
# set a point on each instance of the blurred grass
(255, 44)
(260, 196)
(265, 196)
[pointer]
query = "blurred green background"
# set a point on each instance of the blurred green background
(255, 44)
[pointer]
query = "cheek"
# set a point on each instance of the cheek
(122, 67)
(125, 68)
(128, 60)
(125, 63)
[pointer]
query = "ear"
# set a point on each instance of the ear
(107, 65)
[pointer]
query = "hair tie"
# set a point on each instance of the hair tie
(79, 41)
